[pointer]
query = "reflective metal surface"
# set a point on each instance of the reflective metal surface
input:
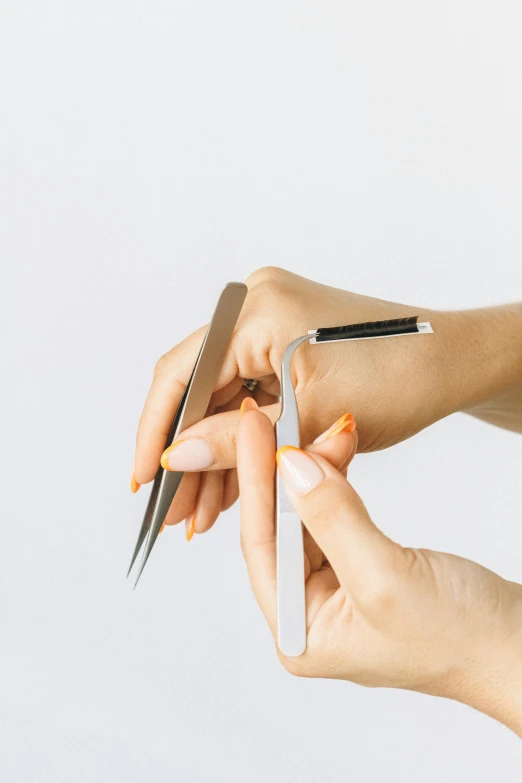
(192, 409)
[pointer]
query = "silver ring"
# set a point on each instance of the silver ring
(250, 383)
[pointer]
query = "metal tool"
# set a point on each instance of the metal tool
(291, 606)
(192, 408)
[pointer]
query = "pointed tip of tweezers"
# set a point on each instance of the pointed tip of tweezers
(151, 540)
(142, 564)
(144, 531)
(137, 550)
(134, 556)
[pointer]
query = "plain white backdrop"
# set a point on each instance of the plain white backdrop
(149, 153)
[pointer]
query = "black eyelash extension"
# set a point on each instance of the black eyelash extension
(393, 326)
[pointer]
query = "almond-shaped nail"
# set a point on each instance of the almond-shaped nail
(162, 528)
(190, 454)
(345, 424)
(248, 404)
(299, 470)
(189, 528)
(134, 485)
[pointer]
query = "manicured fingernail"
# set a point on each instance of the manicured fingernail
(345, 424)
(248, 404)
(134, 484)
(191, 454)
(162, 528)
(189, 528)
(300, 472)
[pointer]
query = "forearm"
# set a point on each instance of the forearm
(494, 687)
(502, 699)
(489, 675)
(482, 365)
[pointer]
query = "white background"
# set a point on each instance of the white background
(150, 152)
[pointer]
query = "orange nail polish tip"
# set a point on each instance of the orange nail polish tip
(134, 485)
(164, 461)
(162, 528)
(248, 404)
(190, 530)
(345, 424)
(283, 449)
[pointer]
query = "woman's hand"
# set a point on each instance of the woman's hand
(378, 614)
(394, 387)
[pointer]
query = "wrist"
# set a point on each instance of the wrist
(491, 677)
(479, 363)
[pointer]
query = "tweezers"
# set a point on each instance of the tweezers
(291, 607)
(192, 408)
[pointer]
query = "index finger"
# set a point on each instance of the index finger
(171, 375)
(256, 469)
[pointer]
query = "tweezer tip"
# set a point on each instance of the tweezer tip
(131, 565)
(137, 578)
(135, 554)
(142, 565)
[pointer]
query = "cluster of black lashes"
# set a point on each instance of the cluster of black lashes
(368, 329)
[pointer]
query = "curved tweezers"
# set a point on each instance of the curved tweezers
(291, 606)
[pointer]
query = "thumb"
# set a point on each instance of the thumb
(210, 444)
(335, 516)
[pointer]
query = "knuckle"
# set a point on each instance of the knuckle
(222, 443)
(265, 274)
(162, 366)
(228, 441)
(272, 290)
(324, 507)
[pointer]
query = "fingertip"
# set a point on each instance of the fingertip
(248, 404)
(190, 527)
(338, 450)
(282, 450)
(144, 470)
(164, 459)
(345, 423)
(134, 485)
(301, 471)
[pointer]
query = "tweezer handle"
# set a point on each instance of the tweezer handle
(291, 608)
(192, 408)
(291, 603)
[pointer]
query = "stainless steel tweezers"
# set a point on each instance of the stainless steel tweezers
(291, 607)
(192, 408)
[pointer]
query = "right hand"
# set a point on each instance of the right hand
(394, 387)
(377, 613)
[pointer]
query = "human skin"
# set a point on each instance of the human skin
(378, 614)
(395, 387)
